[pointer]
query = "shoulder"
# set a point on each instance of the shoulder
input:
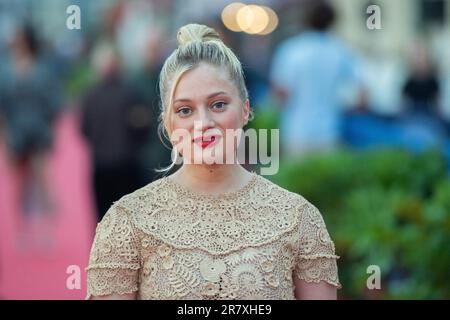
(285, 210)
(128, 216)
(340, 48)
(277, 190)
(283, 197)
(308, 219)
(287, 49)
(291, 42)
(125, 210)
(146, 196)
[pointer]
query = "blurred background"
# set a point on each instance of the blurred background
(360, 91)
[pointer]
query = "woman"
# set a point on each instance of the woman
(210, 230)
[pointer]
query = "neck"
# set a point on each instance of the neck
(212, 178)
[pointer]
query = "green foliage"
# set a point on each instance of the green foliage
(388, 208)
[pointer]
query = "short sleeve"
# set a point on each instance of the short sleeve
(315, 259)
(114, 259)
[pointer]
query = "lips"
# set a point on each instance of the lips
(205, 141)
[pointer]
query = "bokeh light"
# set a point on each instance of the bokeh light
(251, 19)
(273, 21)
(229, 16)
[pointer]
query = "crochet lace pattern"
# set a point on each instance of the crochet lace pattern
(164, 241)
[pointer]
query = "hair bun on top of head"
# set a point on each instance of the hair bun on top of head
(196, 32)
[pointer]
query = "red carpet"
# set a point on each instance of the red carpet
(30, 273)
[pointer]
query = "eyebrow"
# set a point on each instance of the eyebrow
(212, 95)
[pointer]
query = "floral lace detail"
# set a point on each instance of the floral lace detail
(114, 257)
(315, 256)
(167, 242)
(110, 280)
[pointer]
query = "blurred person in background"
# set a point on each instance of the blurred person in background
(422, 94)
(116, 125)
(308, 74)
(421, 90)
(30, 102)
(146, 82)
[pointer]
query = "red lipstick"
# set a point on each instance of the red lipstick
(205, 141)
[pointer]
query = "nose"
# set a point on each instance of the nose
(204, 120)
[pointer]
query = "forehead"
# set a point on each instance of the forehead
(203, 80)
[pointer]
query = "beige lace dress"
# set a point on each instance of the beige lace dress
(165, 242)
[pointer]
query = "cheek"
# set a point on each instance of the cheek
(231, 119)
(182, 125)
(179, 129)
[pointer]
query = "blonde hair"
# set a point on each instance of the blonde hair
(196, 44)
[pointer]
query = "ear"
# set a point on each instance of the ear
(246, 112)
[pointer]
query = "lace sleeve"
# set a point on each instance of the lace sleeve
(315, 258)
(114, 259)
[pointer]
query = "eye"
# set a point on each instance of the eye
(219, 105)
(184, 111)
